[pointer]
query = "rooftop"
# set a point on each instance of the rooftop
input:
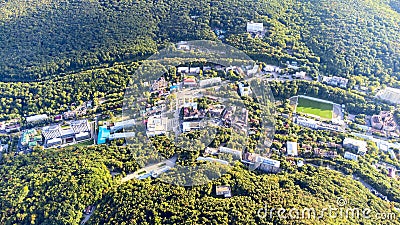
(36, 118)
(292, 148)
(223, 190)
(156, 125)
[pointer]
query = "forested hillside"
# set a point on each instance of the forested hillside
(62, 36)
(51, 186)
(55, 186)
(148, 202)
(49, 37)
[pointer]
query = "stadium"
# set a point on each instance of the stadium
(317, 108)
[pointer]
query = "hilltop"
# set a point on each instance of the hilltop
(346, 38)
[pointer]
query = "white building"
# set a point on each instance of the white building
(209, 159)
(3, 147)
(253, 70)
(12, 128)
(211, 151)
(210, 81)
(306, 122)
(244, 90)
(391, 153)
(255, 27)
(230, 151)
(156, 125)
(54, 142)
(188, 126)
(183, 69)
(50, 132)
(269, 68)
(335, 81)
(194, 70)
(350, 156)
(36, 118)
(79, 126)
(267, 164)
(291, 148)
(301, 75)
(383, 146)
(206, 68)
(358, 145)
(121, 135)
(122, 125)
(76, 131)
(300, 163)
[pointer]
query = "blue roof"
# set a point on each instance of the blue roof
(104, 133)
(173, 87)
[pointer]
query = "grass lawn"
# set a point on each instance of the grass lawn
(321, 109)
(84, 143)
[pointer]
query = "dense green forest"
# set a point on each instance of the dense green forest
(55, 186)
(51, 186)
(151, 202)
(344, 38)
(56, 95)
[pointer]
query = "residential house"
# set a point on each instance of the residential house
(224, 190)
(384, 121)
(190, 81)
(268, 165)
(194, 70)
(192, 125)
(335, 81)
(183, 69)
(183, 45)
(12, 128)
(391, 172)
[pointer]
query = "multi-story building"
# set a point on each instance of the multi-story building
(235, 153)
(384, 121)
(156, 125)
(76, 131)
(268, 165)
(291, 148)
(356, 145)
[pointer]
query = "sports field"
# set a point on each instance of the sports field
(313, 107)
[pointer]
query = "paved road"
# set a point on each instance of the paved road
(87, 217)
(148, 169)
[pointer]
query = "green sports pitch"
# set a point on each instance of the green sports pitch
(309, 106)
